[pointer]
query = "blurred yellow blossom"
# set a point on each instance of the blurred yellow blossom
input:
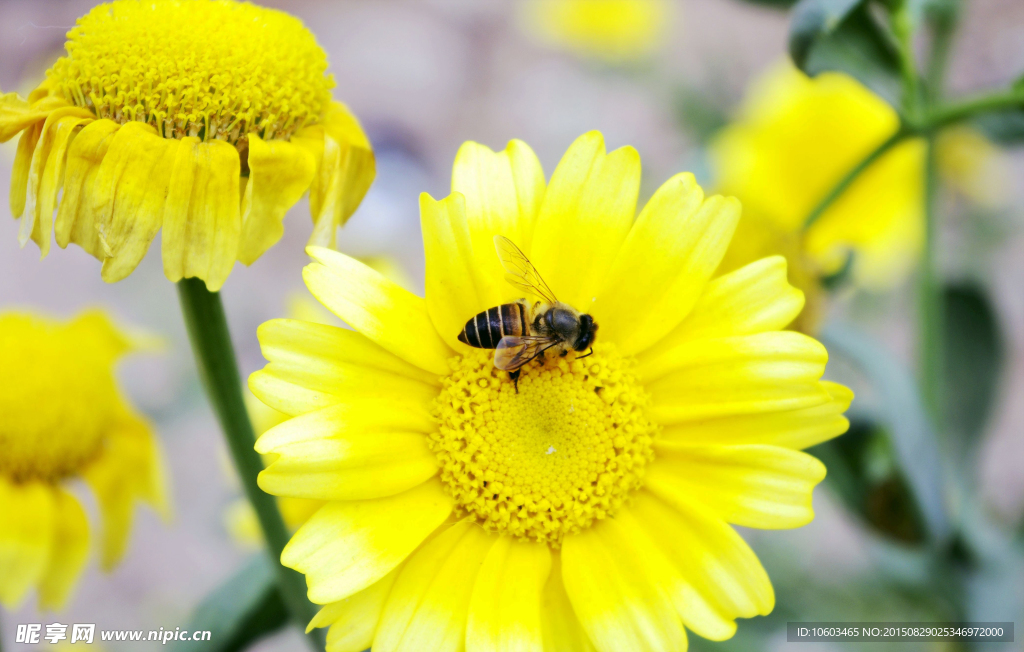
(64, 419)
(612, 30)
(793, 140)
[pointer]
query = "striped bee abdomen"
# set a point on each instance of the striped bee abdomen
(486, 329)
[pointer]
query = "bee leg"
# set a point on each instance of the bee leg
(514, 377)
(563, 353)
(589, 353)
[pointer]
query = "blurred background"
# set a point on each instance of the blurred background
(425, 76)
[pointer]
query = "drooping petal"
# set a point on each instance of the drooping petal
(430, 602)
(505, 608)
(22, 166)
(560, 627)
(763, 372)
(26, 537)
(797, 429)
(766, 487)
(664, 264)
(17, 115)
(345, 168)
(202, 219)
(376, 307)
(128, 196)
(279, 173)
(353, 621)
(503, 193)
(753, 299)
(348, 545)
(455, 290)
(47, 173)
(68, 554)
(129, 470)
(312, 366)
(709, 554)
(351, 466)
(587, 212)
(76, 220)
(619, 603)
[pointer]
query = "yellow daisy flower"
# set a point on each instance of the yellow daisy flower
(592, 507)
(65, 419)
(612, 30)
(794, 139)
(208, 119)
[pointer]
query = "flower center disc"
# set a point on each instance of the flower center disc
(566, 450)
(56, 399)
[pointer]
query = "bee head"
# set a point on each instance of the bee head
(588, 331)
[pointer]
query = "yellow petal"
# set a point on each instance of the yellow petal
(631, 535)
(279, 173)
(710, 555)
(51, 154)
(22, 165)
(620, 604)
(202, 219)
(130, 469)
(797, 429)
(26, 536)
(504, 610)
(664, 264)
(347, 546)
(315, 365)
(128, 196)
(560, 627)
(76, 220)
(735, 375)
(376, 307)
(353, 621)
(766, 487)
(345, 167)
(503, 192)
(587, 212)
(753, 299)
(68, 554)
(350, 466)
(430, 601)
(17, 115)
(455, 289)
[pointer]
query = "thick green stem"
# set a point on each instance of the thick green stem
(930, 317)
(215, 359)
(851, 176)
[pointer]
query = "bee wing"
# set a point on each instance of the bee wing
(513, 352)
(521, 272)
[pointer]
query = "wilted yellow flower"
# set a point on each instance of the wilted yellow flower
(65, 419)
(613, 30)
(207, 119)
(794, 139)
(593, 506)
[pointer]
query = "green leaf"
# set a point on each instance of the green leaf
(1004, 127)
(242, 610)
(843, 35)
(864, 474)
(972, 363)
(915, 446)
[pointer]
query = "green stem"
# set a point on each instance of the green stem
(903, 29)
(215, 359)
(851, 176)
(930, 317)
(957, 111)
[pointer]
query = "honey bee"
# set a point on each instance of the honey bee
(520, 332)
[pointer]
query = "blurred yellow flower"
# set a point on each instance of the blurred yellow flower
(206, 119)
(590, 509)
(793, 140)
(972, 165)
(65, 419)
(613, 30)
